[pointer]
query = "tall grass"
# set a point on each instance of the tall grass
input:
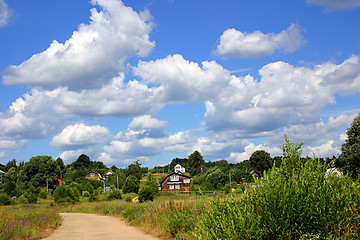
(26, 221)
(295, 201)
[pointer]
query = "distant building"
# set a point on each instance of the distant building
(109, 172)
(332, 171)
(256, 175)
(179, 169)
(176, 181)
(94, 176)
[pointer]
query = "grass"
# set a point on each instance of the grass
(27, 221)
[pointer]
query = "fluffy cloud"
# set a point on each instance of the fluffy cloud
(236, 44)
(336, 4)
(146, 122)
(80, 136)
(285, 96)
(95, 53)
(5, 13)
(11, 144)
(10, 147)
(182, 81)
(250, 148)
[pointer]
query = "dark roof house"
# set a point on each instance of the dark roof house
(176, 182)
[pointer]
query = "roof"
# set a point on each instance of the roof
(175, 173)
(95, 173)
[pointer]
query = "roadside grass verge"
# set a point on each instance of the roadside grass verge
(27, 221)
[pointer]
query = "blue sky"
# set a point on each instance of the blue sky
(155, 80)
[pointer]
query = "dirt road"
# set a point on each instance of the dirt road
(91, 226)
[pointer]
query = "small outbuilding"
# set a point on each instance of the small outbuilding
(176, 181)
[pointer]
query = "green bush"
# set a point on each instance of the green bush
(131, 185)
(147, 193)
(85, 194)
(115, 194)
(22, 200)
(43, 193)
(31, 197)
(93, 198)
(128, 199)
(5, 199)
(294, 202)
(66, 193)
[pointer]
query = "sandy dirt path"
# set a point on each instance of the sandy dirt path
(92, 226)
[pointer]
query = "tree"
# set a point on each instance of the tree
(132, 184)
(350, 150)
(39, 170)
(134, 170)
(196, 161)
(83, 162)
(261, 161)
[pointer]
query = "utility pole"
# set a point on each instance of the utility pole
(230, 179)
(117, 180)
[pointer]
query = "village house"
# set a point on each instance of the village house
(175, 181)
(92, 175)
(179, 168)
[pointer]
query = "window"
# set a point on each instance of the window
(174, 178)
(186, 180)
(177, 186)
(171, 187)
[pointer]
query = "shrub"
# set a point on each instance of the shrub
(128, 199)
(147, 193)
(5, 199)
(115, 194)
(65, 193)
(85, 194)
(43, 193)
(296, 201)
(31, 197)
(93, 198)
(131, 185)
(22, 200)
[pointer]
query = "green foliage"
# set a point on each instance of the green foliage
(43, 193)
(85, 194)
(10, 188)
(132, 184)
(196, 161)
(38, 169)
(350, 150)
(134, 170)
(261, 161)
(179, 222)
(115, 194)
(296, 201)
(93, 198)
(147, 193)
(66, 193)
(5, 199)
(88, 187)
(31, 197)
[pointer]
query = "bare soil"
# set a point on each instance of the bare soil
(92, 226)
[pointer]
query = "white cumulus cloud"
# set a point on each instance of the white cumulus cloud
(94, 54)
(237, 44)
(80, 136)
